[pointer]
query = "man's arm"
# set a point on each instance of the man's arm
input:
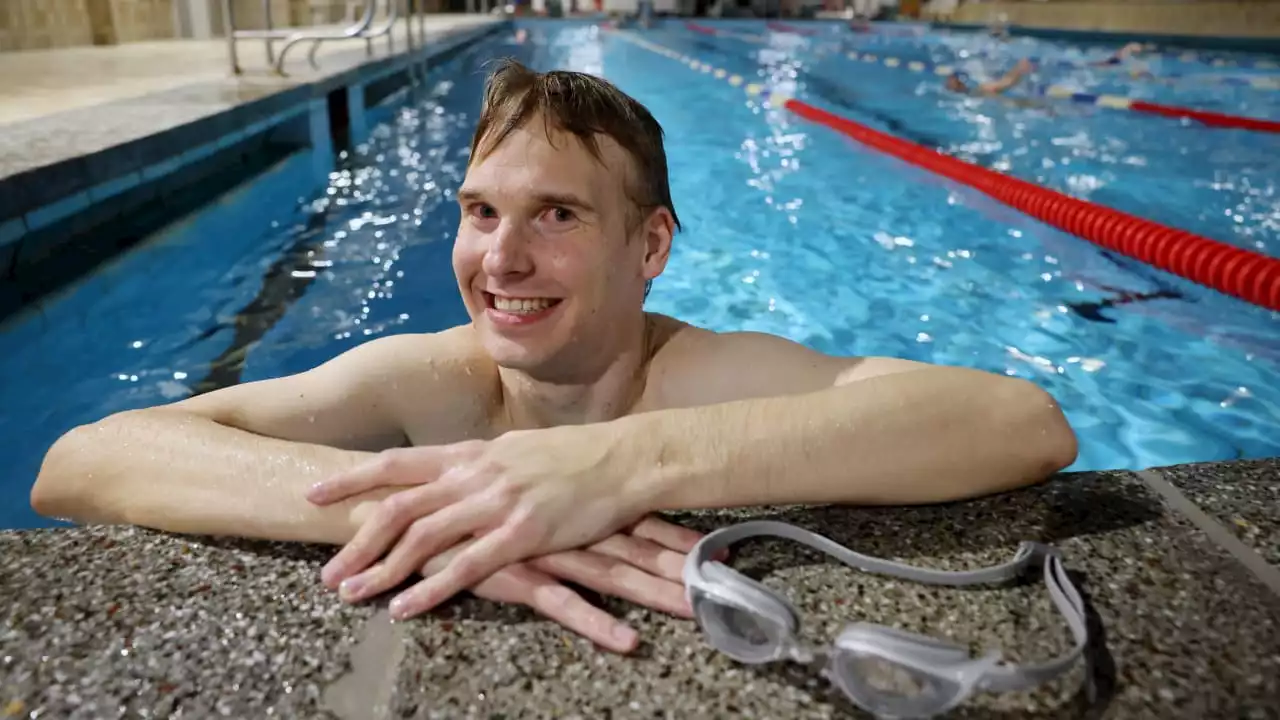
(803, 427)
(238, 461)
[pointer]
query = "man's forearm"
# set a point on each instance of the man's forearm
(180, 472)
(915, 437)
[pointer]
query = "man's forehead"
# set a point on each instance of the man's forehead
(534, 155)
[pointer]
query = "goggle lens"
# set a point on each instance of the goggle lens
(890, 689)
(742, 634)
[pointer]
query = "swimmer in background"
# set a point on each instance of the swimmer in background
(1124, 53)
(958, 81)
(1000, 28)
(1129, 52)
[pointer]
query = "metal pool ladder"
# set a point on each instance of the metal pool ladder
(361, 28)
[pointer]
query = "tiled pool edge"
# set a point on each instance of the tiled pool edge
(41, 208)
(1186, 631)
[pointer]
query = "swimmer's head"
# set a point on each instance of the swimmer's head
(957, 82)
(565, 207)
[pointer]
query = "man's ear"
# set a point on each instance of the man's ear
(656, 235)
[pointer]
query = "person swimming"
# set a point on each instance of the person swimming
(1119, 56)
(959, 81)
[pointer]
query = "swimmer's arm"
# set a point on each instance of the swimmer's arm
(1010, 79)
(809, 428)
(236, 461)
(996, 87)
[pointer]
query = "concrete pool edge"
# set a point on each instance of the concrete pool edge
(43, 207)
(128, 617)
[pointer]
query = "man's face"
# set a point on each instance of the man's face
(543, 258)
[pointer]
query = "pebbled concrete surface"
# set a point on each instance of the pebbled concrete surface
(95, 619)
(1245, 501)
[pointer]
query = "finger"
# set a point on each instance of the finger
(387, 523)
(424, 538)
(666, 534)
(644, 554)
(524, 585)
(558, 603)
(483, 558)
(617, 578)
(401, 466)
(509, 585)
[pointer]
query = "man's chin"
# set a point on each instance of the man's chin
(524, 355)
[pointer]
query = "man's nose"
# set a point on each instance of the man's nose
(508, 251)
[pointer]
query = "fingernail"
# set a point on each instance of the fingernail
(316, 492)
(397, 609)
(330, 573)
(624, 634)
(350, 588)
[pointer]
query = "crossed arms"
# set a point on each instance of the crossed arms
(749, 419)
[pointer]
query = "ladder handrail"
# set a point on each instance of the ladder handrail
(354, 30)
(393, 14)
(292, 36)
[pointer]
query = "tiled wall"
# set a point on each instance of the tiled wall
(142, 19)
(34, 24)
(1239, 18)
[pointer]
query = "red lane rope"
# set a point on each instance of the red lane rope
(1234, 271)
(1206, 117)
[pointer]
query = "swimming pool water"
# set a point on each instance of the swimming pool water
(790, 229)
(1213, 181)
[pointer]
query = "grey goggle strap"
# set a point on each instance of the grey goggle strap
(1001, 678)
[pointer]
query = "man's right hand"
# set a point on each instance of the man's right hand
(642, 564)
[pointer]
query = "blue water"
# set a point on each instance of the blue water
(790, 229)
(1221, 183)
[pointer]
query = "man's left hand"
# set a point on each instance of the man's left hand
(521, 495)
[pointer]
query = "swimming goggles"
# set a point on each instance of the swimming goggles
(888, 672)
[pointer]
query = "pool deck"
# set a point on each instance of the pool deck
(1177, 567)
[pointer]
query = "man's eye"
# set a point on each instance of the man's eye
(562, 214)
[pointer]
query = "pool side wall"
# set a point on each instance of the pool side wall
(61, 220)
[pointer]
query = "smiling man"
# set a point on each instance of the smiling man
(535, 443)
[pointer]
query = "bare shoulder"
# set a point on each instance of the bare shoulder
(442, 385)
(455, 352)
(381, 393)
(697, 366)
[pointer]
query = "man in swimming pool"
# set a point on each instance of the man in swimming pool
(537, 442)
(958, 81)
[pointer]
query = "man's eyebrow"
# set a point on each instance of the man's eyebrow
(566, 199)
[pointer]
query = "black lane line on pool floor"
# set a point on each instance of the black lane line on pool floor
(1268, 574)
(281, 287)
(832, 93)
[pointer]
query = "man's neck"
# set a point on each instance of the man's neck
(595, 394)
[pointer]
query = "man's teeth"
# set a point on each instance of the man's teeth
(522, 305)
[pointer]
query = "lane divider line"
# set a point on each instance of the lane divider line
(1058, 92)
(1265, 82)
(1240, 273)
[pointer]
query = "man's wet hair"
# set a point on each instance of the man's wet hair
(586, 107)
